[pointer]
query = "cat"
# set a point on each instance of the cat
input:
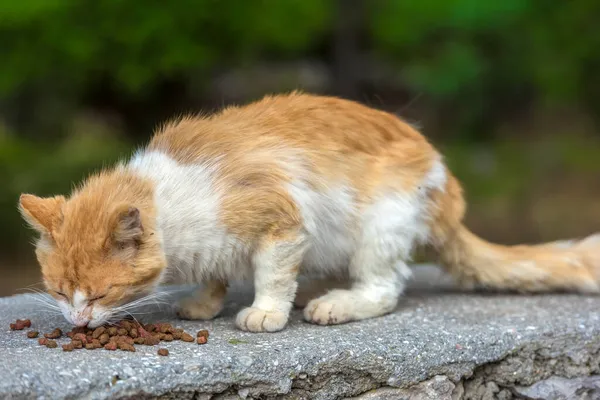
(292, 184)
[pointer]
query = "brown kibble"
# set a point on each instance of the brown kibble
(17, 326)
(202, 333)
(68, 347)
(126, 325)
(55, 334)
(25, 322)
(98, 332)
(112, 346)
(143, 332)
(186, 337)
(163, 352)
(125, 339)
(151, 341)
(80, 337)
(104, 338)
(125, 346)
(124, 336)
(20, 324)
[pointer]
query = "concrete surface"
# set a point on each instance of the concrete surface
(438, 345)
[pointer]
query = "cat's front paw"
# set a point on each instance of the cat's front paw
(193, 308)
(327, 310)
(257, 320)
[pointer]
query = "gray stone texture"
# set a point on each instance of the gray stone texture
(438, 344)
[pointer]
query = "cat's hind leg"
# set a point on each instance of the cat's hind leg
(371, 295)
(205, 303)
(391, 228)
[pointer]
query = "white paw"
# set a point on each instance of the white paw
(327, 310)
(257, 320)
(193, 308)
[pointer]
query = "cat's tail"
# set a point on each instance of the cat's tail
(571, 265)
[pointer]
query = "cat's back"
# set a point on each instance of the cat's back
(303, 121)
(283, 161)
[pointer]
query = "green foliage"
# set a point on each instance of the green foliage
(457, 51)
(135, 41)
(466, 52)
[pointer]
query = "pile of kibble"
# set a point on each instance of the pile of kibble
(123, 335)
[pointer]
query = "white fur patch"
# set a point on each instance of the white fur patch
(327, 219)
(79, 299)
(196, 244)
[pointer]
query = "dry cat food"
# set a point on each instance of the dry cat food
(55, 334)
(20, 324)
(163, 352)
(202, 336)
(124, 336)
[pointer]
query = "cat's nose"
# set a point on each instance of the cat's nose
(79, 320)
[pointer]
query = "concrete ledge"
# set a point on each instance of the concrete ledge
(436, 345)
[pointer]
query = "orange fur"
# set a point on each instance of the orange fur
(79, 249)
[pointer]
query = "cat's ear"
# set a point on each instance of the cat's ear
(41, 213)
(126, 226)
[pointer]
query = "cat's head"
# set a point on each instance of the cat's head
(96, 255)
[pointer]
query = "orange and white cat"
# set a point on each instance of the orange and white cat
(292, 184)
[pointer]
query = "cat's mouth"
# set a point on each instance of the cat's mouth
(96, 323)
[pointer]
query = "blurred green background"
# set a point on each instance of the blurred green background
(508, 90)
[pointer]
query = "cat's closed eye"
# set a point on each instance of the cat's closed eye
(97, 298)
